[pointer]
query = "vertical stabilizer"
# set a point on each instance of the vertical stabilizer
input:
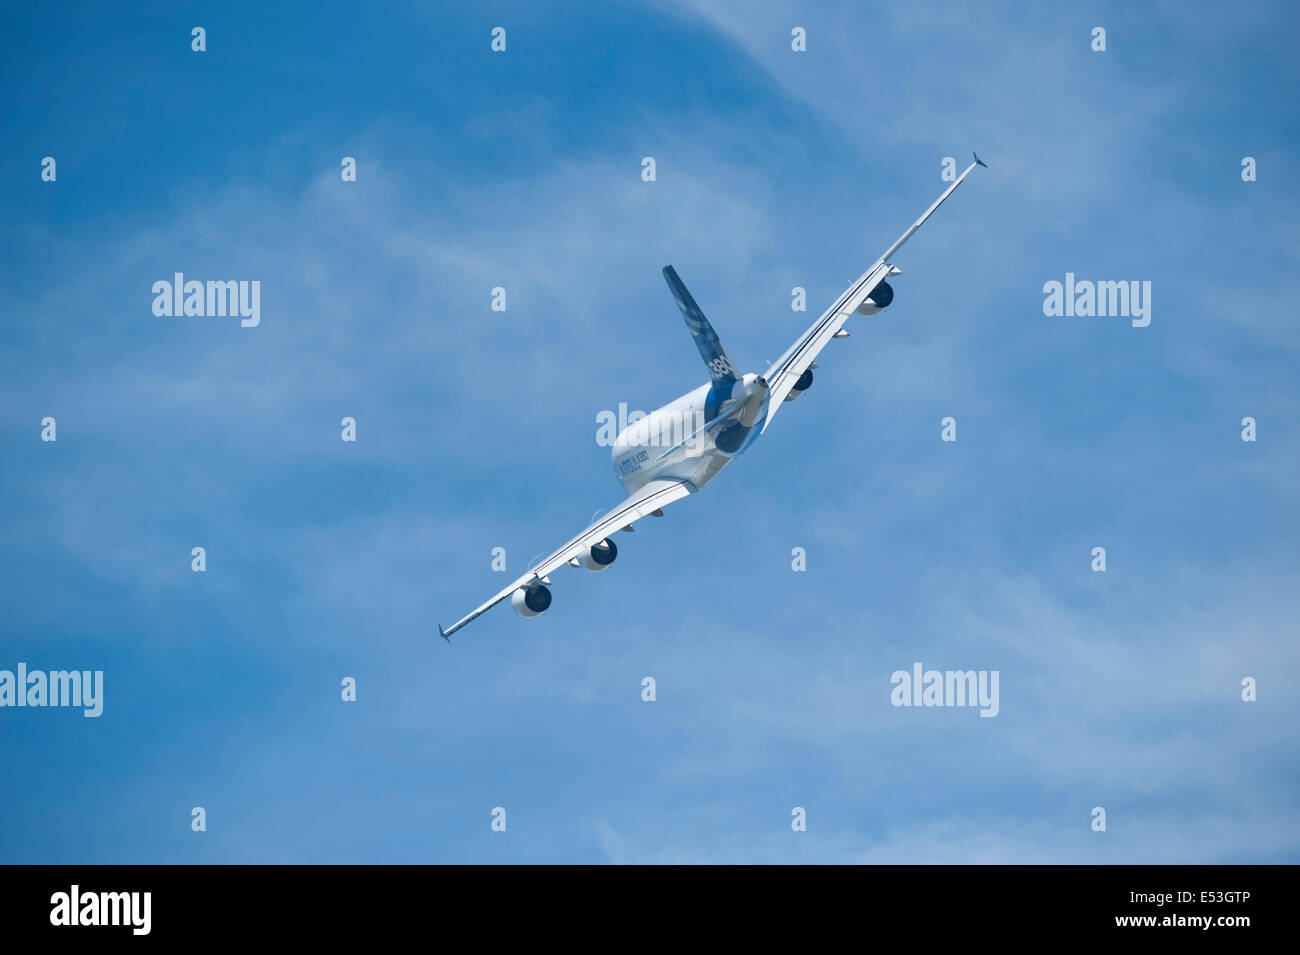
(715, 356)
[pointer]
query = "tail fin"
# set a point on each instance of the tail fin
(706, 339)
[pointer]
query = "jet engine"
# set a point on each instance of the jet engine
(803, 383)
(878, 300)
(531, 601)
(599, 556)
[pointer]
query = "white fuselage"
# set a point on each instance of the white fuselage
(693, 438)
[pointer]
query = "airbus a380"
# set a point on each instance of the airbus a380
(657, 463)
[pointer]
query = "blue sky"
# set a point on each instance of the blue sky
(476, 429)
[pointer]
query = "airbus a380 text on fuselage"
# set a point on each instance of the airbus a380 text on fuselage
(658, 460)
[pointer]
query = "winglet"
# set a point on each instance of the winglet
(442, 633)
(978, 161)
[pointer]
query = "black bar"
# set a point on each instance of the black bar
(334, 903)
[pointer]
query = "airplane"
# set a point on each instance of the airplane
(656, 463)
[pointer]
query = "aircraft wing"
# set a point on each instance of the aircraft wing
(650, 498)
(787, 369)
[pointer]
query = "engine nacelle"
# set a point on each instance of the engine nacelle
(878, 300)
(803, 384)
(531, 601)
(599, 556)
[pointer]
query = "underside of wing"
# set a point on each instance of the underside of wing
(652, 497)
(870, 293)
(591, 543)
(787, 370)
